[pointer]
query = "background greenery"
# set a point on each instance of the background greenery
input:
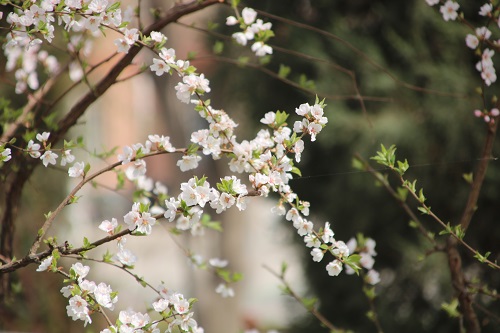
(433, 128)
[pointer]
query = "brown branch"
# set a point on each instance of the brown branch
(63, 250)
(18, 173)
(299, 299)
(477, 183)
(471, 321)
(396, 197)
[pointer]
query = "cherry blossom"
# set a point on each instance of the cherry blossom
(449, 10)
(45, 264)
(334, 268)
(48, 158)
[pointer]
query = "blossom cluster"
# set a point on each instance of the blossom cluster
(366, 249)
(5, 153)
(42, 150)
(488, 116)
(268, 160)
(476, 41)
(85, 296)
(253, 28)
(38, 18)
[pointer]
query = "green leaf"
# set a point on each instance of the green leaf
(370, 292)
(468, 177)
(402, 193)
(107, 257)
(284, 267)
(191, 55)
(73, 199)
(309, 302)
(218, 47)
(296, 171)
(212, 25)
(305, 83)
(113, 7)
(242, 61)
(281, 117)
(424, 210)
(284, 71)
(451, 308)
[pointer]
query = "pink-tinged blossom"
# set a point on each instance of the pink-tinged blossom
(231, 20)
(483, 33)
(98, 6)
(86, 285)
(77, 170)
(168, 55)
(314, 129)
(269, 118)
(45, 264)
(449, 10)
(5, 155)
(261, 49)
(317, 254)
(80, 270)
(171, 212)
(122, 45)
(108, 226)
(188, 162)
(312, 241)
(303, 109)
(102, 295)
(159, 67)
(328, 233)
(304, 227)
(279, 210)
(128, 154)
(136, 170)
(145, 223)
(334, 268)
(161, 305)
(67, 158)
(126, 257)
(157, 36)
(131, 36)
(432, 2)
(77, 309)
(217, 262)
(486, 9)
(370, 247)
(372, 277)
(224, 290)
(249, 15)
(366, 260)
(471, 41)
(66, 291)
(488, 75)
(181, 305)
(33, 149)
(240, 38)
(341, 249)
(259, 25)
(43, 137)
(48, 158)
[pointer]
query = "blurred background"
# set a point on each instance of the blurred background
(418, 80)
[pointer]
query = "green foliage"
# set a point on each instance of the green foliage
(451, 308)
(218, 47)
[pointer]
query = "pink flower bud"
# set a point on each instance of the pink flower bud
(487, 119)
(494, 112)
(478, 113)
